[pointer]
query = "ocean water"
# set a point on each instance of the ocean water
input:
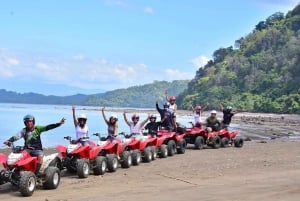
(11, 118)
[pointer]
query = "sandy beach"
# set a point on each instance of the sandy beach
(265, 168)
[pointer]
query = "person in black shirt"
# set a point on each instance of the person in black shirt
(168, 118)
(153, 126)
(227, 115)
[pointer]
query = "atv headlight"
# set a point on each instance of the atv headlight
(13, 157)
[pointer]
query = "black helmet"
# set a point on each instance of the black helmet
(29, 117)
(152, 116)
(166, 104)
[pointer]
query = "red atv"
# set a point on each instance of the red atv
(223, 138)
(19, 169)
(142, 147)
(196, 135)
(80, 159)
(174, 140)
(115, 151)
(230, 138)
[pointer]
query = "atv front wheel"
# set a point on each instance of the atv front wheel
(126, 159)
(238, 142)
(163, 153)
(181, 146)
(112, 162)
(83, 168)
(27, 183)
(100, 165)
(224, 142)
(171, 147)
(199, 142)
(154, 152)
(136, 157)
(147, 155)
(216, 142)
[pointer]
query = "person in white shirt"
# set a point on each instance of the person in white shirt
(135, 125)
(197, 112)
(81, 127)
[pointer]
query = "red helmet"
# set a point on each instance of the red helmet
(135, 116)
(198, 107)
(172, 98)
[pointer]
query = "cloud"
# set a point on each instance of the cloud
(8, 64)
(78, 71)
(175, 74)
(200, 61)
(148, 10)
(279, 4)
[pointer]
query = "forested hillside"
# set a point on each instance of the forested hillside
(143, 96)
(260, 74)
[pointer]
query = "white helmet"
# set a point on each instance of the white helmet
(82, 116)
(213, 112)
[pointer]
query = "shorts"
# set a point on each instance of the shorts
(34, 152)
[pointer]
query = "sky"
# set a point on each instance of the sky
(66, 47)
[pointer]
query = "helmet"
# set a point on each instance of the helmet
(166, 104)
(29, 117)
(135, 116)
(213, 112)
(229, 108)
(198, 107)
(152, 116)
(113, 117)
(172, 98)
(82, 116)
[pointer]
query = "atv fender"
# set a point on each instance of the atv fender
(3, 160)
(62, 150)
(29, 164)
(47, 160)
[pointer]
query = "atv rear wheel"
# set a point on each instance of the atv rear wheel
(199, 142)
(163, 153)
(126, 159)
(52, 178)
(171, 147)
(100, 165)
(147, 155)
(224, 142)
(27, 183)
(112, 162)
(136, 157)
(83, 168)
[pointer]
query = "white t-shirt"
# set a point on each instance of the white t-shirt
(197, 118)
(137, 128)
(81, 132)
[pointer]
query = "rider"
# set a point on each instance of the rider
(171, 100)
(153, 125)
(168, 118)
(80, 127)
(212, 122)
(32, 137)
(135, 125)
(227, 115)
(112, 125)
(197, 111)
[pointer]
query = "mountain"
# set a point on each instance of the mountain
(261, 74)
(143, 96)
(34, 98)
